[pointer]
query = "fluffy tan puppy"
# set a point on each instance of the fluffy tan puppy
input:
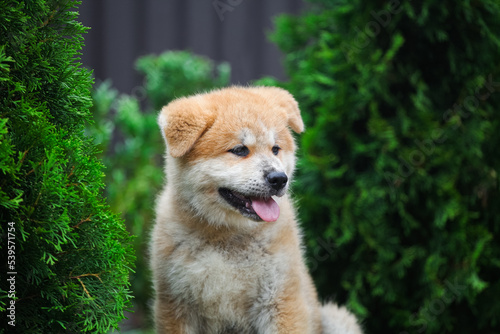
(226, 251)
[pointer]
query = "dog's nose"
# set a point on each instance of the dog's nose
(277, 180)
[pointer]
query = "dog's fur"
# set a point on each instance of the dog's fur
(218, 266)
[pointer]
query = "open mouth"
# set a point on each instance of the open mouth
(255, 208)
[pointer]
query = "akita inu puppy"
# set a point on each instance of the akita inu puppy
(226, 251)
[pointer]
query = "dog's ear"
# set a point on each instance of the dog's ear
(286, 101)
(182, 122)
(293, 111)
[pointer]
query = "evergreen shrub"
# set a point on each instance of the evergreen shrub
(398, 178)
(68, 256)
(130, 139)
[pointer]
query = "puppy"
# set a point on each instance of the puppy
(226, 251)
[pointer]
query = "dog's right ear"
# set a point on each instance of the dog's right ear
(182, 122)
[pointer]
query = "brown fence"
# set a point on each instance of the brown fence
(224, 30)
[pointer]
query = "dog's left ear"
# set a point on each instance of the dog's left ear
(182, 122)
(285, 100)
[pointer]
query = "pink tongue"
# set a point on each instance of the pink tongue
(267, 209)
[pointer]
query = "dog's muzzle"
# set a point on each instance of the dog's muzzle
(258, 206)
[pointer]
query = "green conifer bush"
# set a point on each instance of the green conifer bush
(128, 134)
(68, 255)
(399, 166)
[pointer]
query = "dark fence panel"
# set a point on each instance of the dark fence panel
(223, 30)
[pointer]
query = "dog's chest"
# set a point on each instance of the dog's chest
(224, 280)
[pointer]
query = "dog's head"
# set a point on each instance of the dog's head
(230, 151)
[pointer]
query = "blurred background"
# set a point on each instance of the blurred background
(230, 31)
(398, 170)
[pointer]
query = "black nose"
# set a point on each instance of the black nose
(277, 180)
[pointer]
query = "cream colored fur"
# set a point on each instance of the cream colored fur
(217, 268)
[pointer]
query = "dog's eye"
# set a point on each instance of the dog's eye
(276, 149)
(240, 150)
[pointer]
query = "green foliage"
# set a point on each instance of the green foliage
(399, 164)
(176, 74)
(133, 147)
(72, 255)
